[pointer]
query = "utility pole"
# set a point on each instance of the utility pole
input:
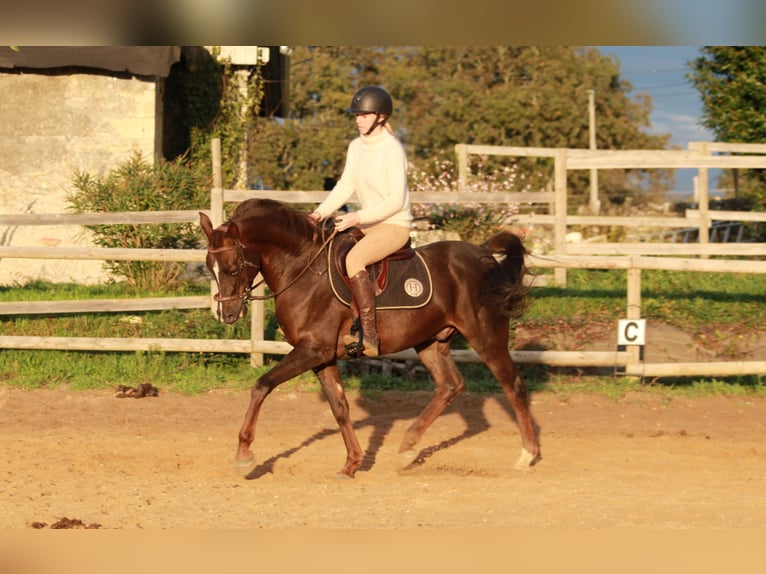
(595, 204)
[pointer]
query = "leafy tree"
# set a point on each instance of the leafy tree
(494, 95)
(302, 150)
(529, 96)
(731, 81)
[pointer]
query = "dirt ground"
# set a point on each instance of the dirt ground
(641, 461)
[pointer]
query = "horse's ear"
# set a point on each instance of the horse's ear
(233, 231)
(206, 224)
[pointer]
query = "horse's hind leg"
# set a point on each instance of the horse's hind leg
(449, 383)
(499, 361)
(333, 388)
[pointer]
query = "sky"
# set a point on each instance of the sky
(660, 71)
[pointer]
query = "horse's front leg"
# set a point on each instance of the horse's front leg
(258, 393)
(297, 361)
(333, 388)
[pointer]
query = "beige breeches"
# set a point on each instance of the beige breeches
(378, 242)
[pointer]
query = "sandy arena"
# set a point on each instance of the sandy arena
(641, 461)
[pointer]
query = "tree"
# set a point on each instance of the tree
(494, 95)
(528, 96)
(731, 81)
(301, 150)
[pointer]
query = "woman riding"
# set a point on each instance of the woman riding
(376, 169)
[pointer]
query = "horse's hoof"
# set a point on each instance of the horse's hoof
(344, 476)
(527, 460)
(408, 455)
(244, 462)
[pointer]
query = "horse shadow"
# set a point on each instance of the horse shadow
(384, 410)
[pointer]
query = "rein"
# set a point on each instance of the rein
(247, 295)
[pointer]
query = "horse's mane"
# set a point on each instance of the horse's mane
(275, 212)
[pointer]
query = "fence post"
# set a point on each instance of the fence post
(634, 309)
(216, 208)
(560, 212)
(461, 151)
(704, 201)
(216, 193)
(595, 204)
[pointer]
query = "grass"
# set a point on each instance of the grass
(687, 300)
(704, 305)
(177, 372)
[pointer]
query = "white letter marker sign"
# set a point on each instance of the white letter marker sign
(631, 332)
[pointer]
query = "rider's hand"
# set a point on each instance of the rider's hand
(346, 221)
(315, 216)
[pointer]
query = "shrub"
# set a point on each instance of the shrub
(138, 185)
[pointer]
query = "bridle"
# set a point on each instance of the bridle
(247, 294)
(243, 263)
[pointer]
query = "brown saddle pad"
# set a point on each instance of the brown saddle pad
(402, 280)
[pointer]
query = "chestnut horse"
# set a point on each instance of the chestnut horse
(477, 289)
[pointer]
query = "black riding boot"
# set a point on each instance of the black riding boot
(363, 293)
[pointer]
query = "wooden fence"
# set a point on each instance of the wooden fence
(631, 257)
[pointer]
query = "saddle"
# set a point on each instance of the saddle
(403, 269)
(378, 271)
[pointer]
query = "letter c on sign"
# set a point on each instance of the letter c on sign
(631, 332)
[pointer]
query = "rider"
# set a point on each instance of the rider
(376, 169)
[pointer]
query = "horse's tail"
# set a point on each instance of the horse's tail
(503, 288)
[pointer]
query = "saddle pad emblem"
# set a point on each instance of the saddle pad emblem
(413, 287)
(409, 285)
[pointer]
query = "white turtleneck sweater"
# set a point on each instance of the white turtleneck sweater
(376, 169)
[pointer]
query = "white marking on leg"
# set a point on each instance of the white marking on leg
(526, 460)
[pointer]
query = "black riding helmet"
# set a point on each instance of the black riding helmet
(372, 100)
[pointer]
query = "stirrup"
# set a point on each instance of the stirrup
(356, 348)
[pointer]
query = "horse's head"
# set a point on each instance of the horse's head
(237, 268)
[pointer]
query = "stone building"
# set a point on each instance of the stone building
(68, 109)
(63, 110)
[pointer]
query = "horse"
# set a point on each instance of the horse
(477, 289)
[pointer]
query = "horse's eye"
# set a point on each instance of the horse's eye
(235, 272)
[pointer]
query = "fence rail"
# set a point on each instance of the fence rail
(631, 257)
(105, 218)
(103, 305)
